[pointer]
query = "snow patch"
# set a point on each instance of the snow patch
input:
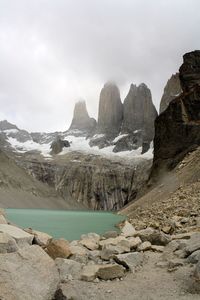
(119, 137)
(29, 146)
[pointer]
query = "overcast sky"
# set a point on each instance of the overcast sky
(53, 52)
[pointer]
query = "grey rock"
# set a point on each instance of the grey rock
(194, 257)
(197, 272)
(40, 238)
(7, 243)
(28, 274)
(110, 271)
(193, 244)
(89, 272)
(110, 110)
(68, 267)
(144, 246)
(57, 145)
(134, 242)
(130, 260)
(110, 234)
(109, 250)
(21, 237)
(139, 112)
(128, 229)
(154, 236)
(81, 120)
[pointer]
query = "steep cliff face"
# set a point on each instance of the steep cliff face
(139, 111)
(110, 112)
(177, 129)
(190, 70)
(92, 181)
(81, 120)
(171, 90)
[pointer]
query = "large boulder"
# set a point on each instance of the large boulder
(130, 260)
(28, 274)
(68, 268)
(21, 237)
(81, 120)
(110, 110)
(171, 90)
(58, 248)
(154, 236)
(57, 145)
(40, 238)
(7, 243)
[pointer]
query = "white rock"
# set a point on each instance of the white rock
(21, 237)
(144, 246)
(128, 229)
(68, 267)
(3, 220)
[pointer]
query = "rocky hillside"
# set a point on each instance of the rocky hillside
(20, 190)
(177, 129)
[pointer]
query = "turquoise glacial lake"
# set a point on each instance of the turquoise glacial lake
(63, 223)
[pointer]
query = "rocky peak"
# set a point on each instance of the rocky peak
(171, 90)
(139, 111)
(110, 110)
(190, 70)
(81, 120)
(5, 125)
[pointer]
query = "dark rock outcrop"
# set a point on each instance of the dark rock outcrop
(190, 70)
(110, 113)
(81, 120)
(177, 129)
(58, 145)
(171, 90)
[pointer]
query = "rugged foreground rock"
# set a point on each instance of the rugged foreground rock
(80, 270)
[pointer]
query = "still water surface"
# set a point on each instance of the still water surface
(64, 223)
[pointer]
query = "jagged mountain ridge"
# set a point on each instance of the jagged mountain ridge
(88, 176)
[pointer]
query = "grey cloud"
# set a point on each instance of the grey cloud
(53, 52)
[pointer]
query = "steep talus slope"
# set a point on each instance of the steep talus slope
(18, 189)
(91, 180)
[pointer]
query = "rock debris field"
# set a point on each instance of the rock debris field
(133, 264)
